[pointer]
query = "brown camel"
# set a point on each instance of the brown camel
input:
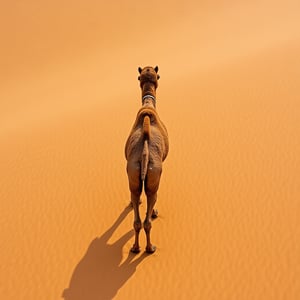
(146, 148)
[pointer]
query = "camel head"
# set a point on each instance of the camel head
(148, 75)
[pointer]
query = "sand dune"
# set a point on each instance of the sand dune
(228, 204)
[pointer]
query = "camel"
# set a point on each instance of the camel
(146, 148)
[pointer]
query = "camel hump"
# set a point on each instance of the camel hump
(146, 127)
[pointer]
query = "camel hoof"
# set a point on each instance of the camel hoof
(154, 214)
(150, 249)
(135, 249)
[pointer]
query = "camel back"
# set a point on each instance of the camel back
(155, 121)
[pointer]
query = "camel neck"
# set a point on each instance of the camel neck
(148, 89)
(149, 94)
(149, 101)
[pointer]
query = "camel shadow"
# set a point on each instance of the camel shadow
(99, 274)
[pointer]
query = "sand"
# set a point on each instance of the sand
(228, 225)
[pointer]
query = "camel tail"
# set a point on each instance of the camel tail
(145, 153)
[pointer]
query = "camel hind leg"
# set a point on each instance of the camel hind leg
(151, 199)
(135, 186)
(151, 187)
(137, 224)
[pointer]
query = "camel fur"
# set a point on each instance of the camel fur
(146, 148)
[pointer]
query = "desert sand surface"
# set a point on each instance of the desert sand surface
(229, 211)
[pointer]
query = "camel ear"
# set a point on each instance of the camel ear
(158, 76)
(139, 78)
(156, 69)
(140, 70)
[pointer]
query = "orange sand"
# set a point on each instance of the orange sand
(229, 197)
